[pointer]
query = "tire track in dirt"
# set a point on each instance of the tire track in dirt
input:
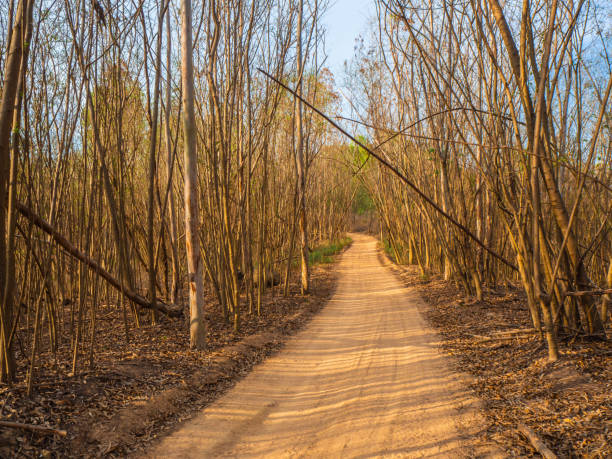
(363, 379)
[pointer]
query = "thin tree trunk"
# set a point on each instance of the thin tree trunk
(170, 161)
(14, 70)
(153, 163)
(301, 163)
(197, 326)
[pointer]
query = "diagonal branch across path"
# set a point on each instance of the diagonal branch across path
(363, 379)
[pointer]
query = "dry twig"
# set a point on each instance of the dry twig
(33, 428)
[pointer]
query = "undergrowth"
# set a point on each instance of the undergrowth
(324, 253)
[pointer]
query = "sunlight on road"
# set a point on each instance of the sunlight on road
(364, 379)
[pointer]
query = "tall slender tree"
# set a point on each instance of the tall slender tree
(300, 156)
(197, 326)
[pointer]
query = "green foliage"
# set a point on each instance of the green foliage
(388, 248)
(359, 156)
(361, 161)
(324, 253)
(362, 203)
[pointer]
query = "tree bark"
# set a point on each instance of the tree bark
(14, 69)
(301, 163)
(153, 163)
(197, 325)
(170, 160)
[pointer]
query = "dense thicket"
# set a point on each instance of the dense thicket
(498, 112)
(143, 154)
(98, 106)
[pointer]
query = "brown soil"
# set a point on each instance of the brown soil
(137, 391)
(363, 379)
(568, 403)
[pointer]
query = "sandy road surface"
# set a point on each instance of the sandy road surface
(363, 379)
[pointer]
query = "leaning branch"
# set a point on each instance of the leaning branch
(396, 171)
(171, 311)
(536, 442)
(33, 428)
(448, 110)
(589, 293)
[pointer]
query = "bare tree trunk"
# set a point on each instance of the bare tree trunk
(13, 72)
(170, 160)
(197, 324)
(153, 163)
(301, 163)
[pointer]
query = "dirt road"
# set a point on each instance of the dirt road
(363, 379)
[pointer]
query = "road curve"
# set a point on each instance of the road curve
(363, 379)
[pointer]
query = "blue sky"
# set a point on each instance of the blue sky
(345, 20)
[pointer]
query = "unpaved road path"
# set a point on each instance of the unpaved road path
(363, 379)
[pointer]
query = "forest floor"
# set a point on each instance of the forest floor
(369, 365)
(365, 378)
(567, 403)
(135, 392)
